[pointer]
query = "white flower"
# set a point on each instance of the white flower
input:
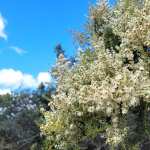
(91, 109)
(79, 114)
(109, 110)
(119, 77)
(124, 111)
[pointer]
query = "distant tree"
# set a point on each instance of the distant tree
(20, 118)
(59, 50)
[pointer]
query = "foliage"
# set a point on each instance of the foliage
(107, 90)
(20, 118)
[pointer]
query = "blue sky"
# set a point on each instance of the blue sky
(29, 30)
(36, 26)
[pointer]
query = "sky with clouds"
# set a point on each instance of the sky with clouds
(29, 30)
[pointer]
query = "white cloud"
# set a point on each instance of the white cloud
(3, 35)
(28, 81)
(2, 27)
(5, 91)
(18, 50)
(43, 77)
(11, 79)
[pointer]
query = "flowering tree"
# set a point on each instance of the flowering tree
(107, 91)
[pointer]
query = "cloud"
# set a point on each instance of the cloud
(3, 35)
(2, 28)
(11, 80)
(43, 77)
(5, 91)
(18, 50)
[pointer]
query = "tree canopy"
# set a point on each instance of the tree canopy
(106, 93)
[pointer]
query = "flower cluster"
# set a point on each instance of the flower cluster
(115, 81)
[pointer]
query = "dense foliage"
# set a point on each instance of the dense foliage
(105, 95)
(20, 118)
